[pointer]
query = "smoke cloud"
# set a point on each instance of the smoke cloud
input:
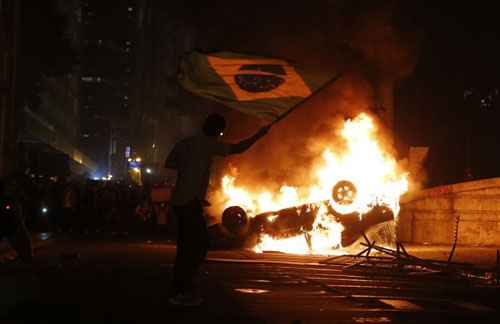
(374, 44)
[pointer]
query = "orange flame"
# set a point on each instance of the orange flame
(364, 162)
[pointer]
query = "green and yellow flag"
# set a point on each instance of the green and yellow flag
(260, 86)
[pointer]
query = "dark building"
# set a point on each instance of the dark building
(9, 14)
(109, 32)
(162, 113)
(49, 99)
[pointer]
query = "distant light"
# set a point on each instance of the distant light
(138, 159)
(154, 145)
(130, 159)
(136, 170)
(45, 210)
(148, 170)
(7, 207)
(221, 133)
(104, 178)
(110, 176)
(96, 178)
(130, 9)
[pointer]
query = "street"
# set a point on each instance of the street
(126, 280)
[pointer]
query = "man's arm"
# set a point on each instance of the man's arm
(247, 143)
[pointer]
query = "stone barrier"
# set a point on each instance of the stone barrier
(469, 211)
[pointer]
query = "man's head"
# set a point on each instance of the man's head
(214, 125)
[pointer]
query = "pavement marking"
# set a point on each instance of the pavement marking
(401, 304)
(378, 319)
(262, 261)
(474, 307)
(251, 290)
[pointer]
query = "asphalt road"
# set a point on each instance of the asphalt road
(125, 280)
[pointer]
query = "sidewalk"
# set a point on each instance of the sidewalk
(481, 256)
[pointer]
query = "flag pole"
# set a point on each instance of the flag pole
(324, 86)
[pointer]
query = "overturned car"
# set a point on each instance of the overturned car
(238, 230)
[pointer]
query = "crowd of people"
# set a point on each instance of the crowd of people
(62, 205)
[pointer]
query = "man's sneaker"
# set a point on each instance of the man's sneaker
(185, 300)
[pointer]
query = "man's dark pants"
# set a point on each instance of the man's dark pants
(192, 245)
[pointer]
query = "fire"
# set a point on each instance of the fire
(362, 161)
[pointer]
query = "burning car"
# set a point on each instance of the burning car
(300, 221)
(352, 186)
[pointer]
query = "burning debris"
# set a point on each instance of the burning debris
(381, 260)
(355, 185)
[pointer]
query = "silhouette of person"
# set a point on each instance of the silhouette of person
(192, 158)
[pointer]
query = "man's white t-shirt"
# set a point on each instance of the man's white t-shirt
(192, 158)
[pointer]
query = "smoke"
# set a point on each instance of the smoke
(372, 41)
(293, 144)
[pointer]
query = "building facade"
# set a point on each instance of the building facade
(108, 62)
(9, 16)
(48, 128)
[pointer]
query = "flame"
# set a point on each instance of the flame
(362, 161)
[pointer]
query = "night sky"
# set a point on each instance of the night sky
(441, 106)
(448, 102)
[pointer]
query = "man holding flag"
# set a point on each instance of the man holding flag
(191, 158)
(264, 87)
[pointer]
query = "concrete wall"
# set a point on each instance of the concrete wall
(430, 216)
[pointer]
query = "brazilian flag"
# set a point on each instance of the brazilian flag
(265, 87)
